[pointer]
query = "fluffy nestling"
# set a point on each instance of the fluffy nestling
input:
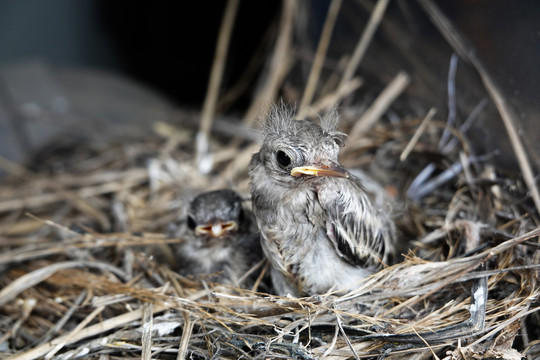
(319, 229)
(220, 237)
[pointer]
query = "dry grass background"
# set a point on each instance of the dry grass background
(86, 260)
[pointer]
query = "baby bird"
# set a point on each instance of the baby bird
(220, 238)
(319, 228)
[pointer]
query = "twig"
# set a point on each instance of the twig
(47, 199)
(278, 65)
(522, 314)
(147, 326)
(333, 98)
(216, 74)
(24, 282)
(25, 254)
(380, 105)
(66, 339)
(250, 271)
(186, 334)
(210, 101)
(418, 192)
(441, 285)
(459, 44)
(96, 329)
(419, 131)
(332, 344)
(61, 323)
(320, 55)
(261, 275)
(244, 80)
(426, 343)
(347, 340)
(466, 125)
(27, 307)
(451, 87)
(365, 39)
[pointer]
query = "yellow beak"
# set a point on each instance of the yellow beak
(334, 171)
(216, 230)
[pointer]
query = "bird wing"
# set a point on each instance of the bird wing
(359, 233)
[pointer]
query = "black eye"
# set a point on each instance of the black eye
(191, 222)
(283, 159)
(340, 140)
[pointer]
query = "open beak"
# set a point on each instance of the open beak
(216, 230)
(324, 170)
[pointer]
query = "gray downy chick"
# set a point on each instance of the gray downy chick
(320, 231)
(220, 238)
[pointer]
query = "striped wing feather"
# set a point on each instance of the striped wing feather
(357, 231)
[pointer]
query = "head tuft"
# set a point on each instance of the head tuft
(279, 119)
(330, 120)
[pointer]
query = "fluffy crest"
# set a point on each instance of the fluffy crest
(329, 125)
(282, 117)
(279, 118)
(330, 120)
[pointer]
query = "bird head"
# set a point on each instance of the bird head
(295, 151)
(215, 216)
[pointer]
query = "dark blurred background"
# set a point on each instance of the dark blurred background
(169, 45)
(166, 45)
(160, 54)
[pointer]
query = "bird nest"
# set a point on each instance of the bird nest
(87, 270)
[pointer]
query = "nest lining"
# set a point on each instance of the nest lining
(86, 271)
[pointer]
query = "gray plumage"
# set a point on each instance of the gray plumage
(221, 238)
(319, 228)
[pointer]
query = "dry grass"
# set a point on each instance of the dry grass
(86, 271)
